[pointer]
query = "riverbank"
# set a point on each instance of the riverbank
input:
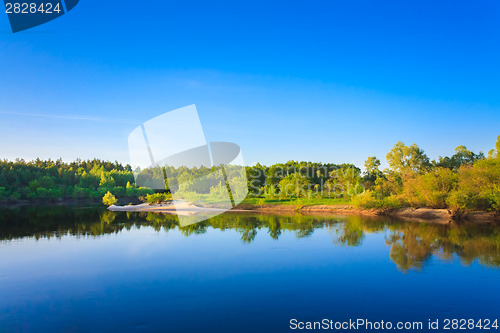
(417, 214)
(288, 207)
(422, 214)
(12, 203)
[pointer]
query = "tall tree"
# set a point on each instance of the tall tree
(371, 166)
(495, 153)
(407, 159)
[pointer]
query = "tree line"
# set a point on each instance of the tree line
(465, 180)
(87, 179)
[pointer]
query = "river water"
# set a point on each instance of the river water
(90, 270)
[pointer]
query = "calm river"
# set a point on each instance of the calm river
(89, 270)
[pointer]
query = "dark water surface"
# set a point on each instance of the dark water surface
(88, 270)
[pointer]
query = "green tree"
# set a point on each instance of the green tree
(478, 186)
(158, 197)
(372, 170)
(294, 185)
(497, 146)
(462, 156)
(407, 159)
(130, 190)
(106, 180)
(371, 166)
(434, 187)
(349, 180)
(495, 153)
(109, 199)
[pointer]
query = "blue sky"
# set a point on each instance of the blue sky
(318, 81)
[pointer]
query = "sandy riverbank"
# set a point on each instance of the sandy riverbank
(420, 214)
(176, 207)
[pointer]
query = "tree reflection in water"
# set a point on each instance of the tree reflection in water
(412, 244)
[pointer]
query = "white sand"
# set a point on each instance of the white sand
(175, 207)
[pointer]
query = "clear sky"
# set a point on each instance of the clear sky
(330, 81)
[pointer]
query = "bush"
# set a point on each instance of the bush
(370, 199)
(109, 199)
(143, 191)
(129, 190)
(365, 200)
(434, 187)
(478, 186)
(42, 192)
(157, 197)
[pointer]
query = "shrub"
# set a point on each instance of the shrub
(143, 191)
(434, 187)
(157, 197)
(129, 190)
(370, 199)
(478, 186)
(109, 199)
(364, 200)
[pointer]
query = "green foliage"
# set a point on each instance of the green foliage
(295, 201)
(106, 180)
(462, 156)
(430, 189)
(345, 182)
(295, 185)
(478, 186)
(260, 176)
(407, 159)
(270, 191)
(109, 199)
(463, 181)
(261, 202)
(497, 147)
(55, 179)
(129, 189)
(372, 165)
(495, 153)
(369, 199)
(158, 197)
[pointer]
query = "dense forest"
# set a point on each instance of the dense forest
(91, 180)
(465, 180)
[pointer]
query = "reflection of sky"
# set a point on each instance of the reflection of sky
(164, 280)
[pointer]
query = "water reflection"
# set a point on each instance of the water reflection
(412, 245)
